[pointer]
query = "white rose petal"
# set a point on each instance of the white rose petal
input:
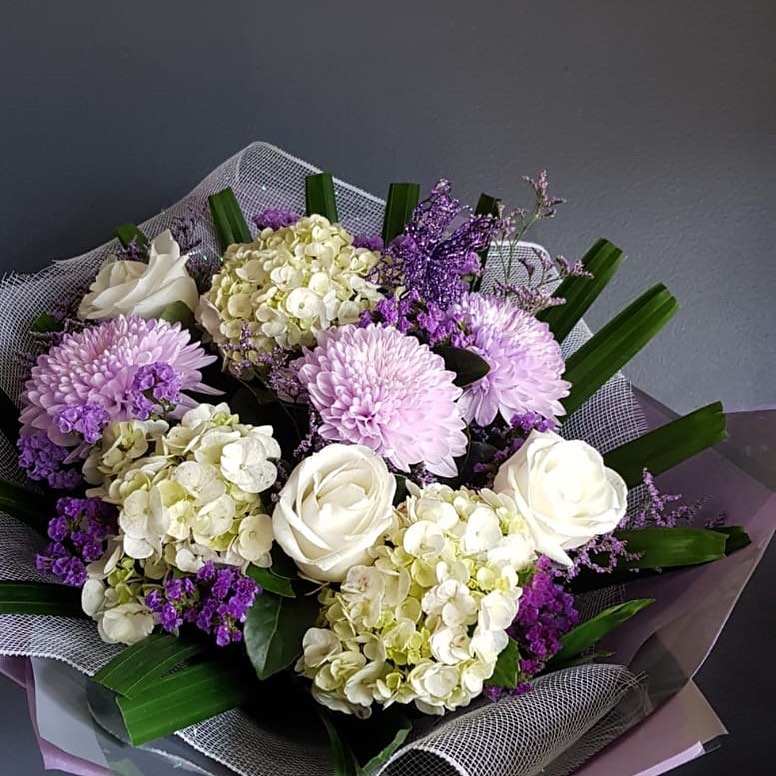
(563, 490)
(335, 507)
(136, 288)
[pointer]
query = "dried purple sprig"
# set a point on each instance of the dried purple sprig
(185, 223)
(275, 218)
(435, 255)
(79, 534)
(546, 613)
(215, 600)
(45, 460)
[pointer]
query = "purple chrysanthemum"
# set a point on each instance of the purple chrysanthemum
(525, 362)
(377, 387)
(93, 371)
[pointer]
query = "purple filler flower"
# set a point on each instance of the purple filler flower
(377, 387)
(434, 254)
(525, 362)
(79, 533)
(41, 459)
(275, 218)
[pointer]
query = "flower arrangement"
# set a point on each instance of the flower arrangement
(382, 507)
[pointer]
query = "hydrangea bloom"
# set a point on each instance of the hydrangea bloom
(425, 624)
(91, 373)
(524, 358)
(287, 286)
(377, 387)
(186, 496)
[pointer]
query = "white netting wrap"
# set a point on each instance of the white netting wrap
(568, 716)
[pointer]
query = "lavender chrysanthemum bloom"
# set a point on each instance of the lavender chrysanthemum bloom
(377, 387)
(525, 362)
(96, 368)
(275, 218)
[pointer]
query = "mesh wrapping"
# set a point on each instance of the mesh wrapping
(568, 716)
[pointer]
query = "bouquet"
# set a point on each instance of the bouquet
(345, 485)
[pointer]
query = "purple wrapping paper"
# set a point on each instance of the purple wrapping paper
(668, 641)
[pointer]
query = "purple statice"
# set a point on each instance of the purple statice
(43, 459)
(275, 218)
(78, 536)
(436, 255)
(155, 389)
(131, 251)
(85, 420)
(425, 320)
(184, 225)
(215, 600)
(371, 242)
(546, 613)
(656, 511)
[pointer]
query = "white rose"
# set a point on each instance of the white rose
(335, 506)
(126, 623)
(137, 288)
(563, 490)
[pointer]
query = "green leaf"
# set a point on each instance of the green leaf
(669, 445)
(178, 312)
(342, 756)
(507, 669)
(271, 582)
(382, 757)
(274, 630)
(9, 418)
(182, 699)
(319, 196)
(129, 232)
(138, 667)
(228, 219)
(40, 598)
(45, 323)
(26, 505)
(602, 261)
(468, 366)
(736, 537)
(614, 345)
(402, 199)
(588, 633)
(486, 205)
(667, 547)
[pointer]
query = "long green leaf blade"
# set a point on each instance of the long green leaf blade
(342, 757)
(670, 547)
(129, 234)
(229, 222)
(137, 668)
(319, 196)
(181, 699)
(382, 757)
(40, 598)
(616, 343)
(402, 199)
(602, 261)
(486, 206)
(588, 633)
(667, 446)
(26, 505)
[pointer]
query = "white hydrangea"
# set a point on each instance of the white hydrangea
(190, 493)
(286, 287)
(426, 622)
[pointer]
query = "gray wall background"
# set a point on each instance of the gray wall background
(656, 120)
